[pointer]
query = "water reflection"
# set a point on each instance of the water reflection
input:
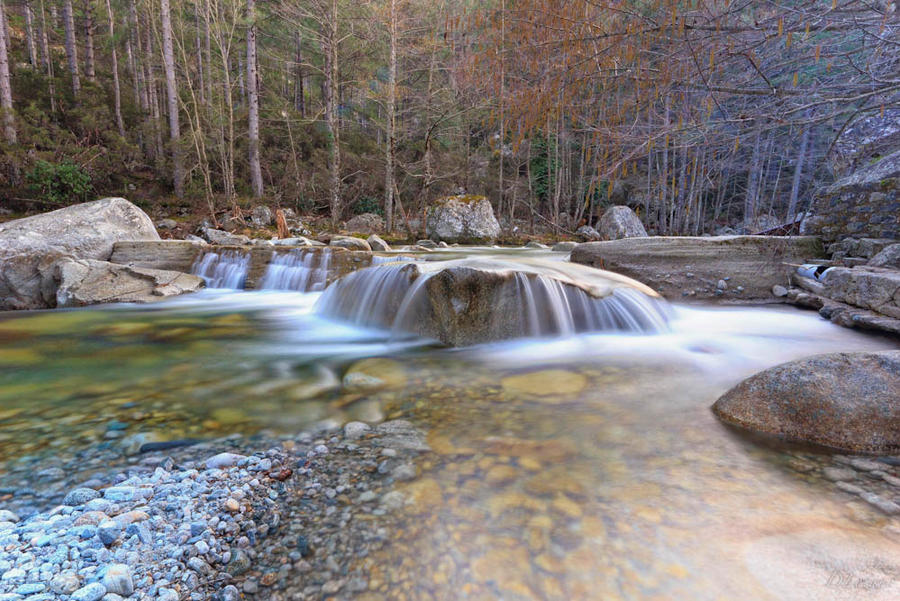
(583, 468)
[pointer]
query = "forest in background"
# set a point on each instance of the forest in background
(698, 114)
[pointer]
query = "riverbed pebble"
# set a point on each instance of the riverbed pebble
(210, 521)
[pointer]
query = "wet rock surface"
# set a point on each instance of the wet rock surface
(469, 301)
(844, 401)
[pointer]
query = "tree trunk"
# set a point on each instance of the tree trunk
(390, 145)
(502, 107)
(71, 48)
(199, 48)
(798, 175)
(331, 90)
(6, 103)
(45, 58)
(29, 35)
(253, 99)
(89, 69)
(299, 92)
(172, 98)
(117, 92)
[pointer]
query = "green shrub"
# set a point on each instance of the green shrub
(60, 183)
(367, 204)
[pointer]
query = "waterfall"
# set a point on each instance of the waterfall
(225, 269)
(300, 270)
(489, 301)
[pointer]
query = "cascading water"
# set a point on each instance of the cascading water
(300, 270)
(477, 300)
(225, 269)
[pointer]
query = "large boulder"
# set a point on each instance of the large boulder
(889, 257)
(476, 300)
(465, 219)
(350, 243)
(691, 267)
(367, 223)
(588, 234)
(262, 216)
(871, 288)
(620, 222)
(223, 238)
(85, 231)
(80, 282)
(845, 401)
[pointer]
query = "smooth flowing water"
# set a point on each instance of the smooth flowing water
(583, 467)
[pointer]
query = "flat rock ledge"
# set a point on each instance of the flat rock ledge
(842, 401)
(210, 522)
(725, 268)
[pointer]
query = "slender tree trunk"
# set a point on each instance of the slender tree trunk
(29, 35)
(390, 145)
(332, 92)
(752, 185)
(6, 102)
(798, 176)
(253, 99)
(241, 85)
(46, 59)
(299, 92)
(199, 48)
(89, 69)
(117, 91)
(172, 99)
(71, 47)
(502, 107)
(207, 43)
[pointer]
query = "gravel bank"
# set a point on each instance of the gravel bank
(208, 522)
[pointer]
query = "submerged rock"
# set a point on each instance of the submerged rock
(464, 219)
(620, 222)
(475, 300)
(845, 401)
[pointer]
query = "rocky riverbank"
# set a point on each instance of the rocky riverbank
(219, 520)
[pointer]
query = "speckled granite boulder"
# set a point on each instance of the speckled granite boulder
(846, 401)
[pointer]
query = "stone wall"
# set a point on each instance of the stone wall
(866, 204)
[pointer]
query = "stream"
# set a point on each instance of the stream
(587, 466)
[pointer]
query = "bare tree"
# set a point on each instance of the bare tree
(117, 92)
(89, 69)
(6, 103)
(253, 100)
(391, 142)
(29, 34)
(172, 98)
(71, 47)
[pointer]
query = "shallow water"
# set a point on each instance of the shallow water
(583, 468)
